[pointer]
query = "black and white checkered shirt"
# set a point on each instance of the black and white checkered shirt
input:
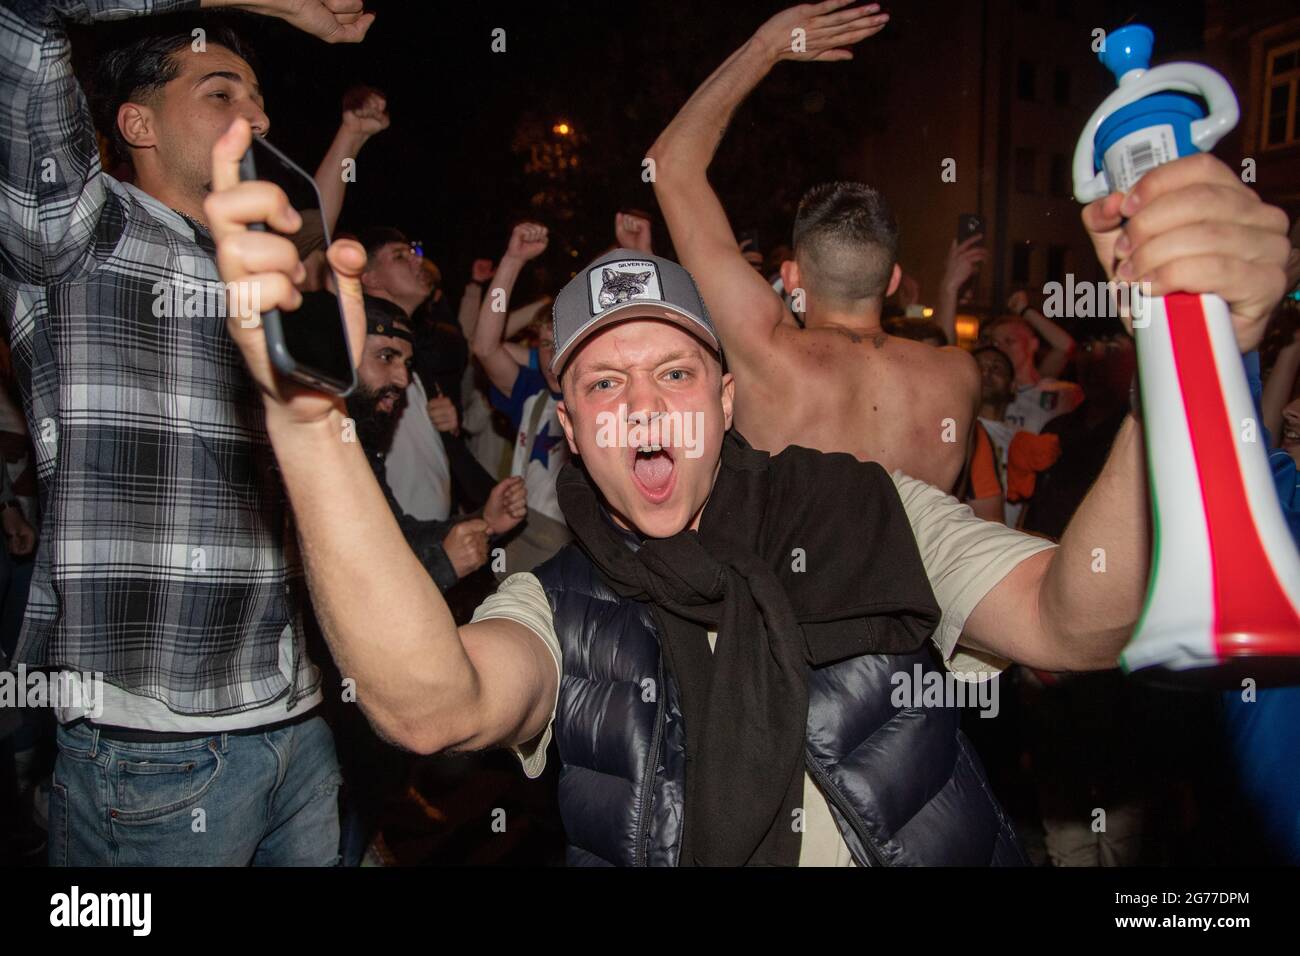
(166, 559)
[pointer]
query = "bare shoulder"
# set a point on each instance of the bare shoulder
(959, 365)
(959, 358)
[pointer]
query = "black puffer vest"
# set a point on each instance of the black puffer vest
(904, 784)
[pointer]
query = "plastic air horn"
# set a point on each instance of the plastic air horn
(1225, 577)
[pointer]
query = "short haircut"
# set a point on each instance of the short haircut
(998, 321)
(144, 62)
(994, 350)
(845, 236)
(374, 238)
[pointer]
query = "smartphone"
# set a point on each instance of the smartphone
(310, 344)
(969, 224)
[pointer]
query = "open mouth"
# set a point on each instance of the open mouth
(1290, 436)
(653, 472)
(387, 403)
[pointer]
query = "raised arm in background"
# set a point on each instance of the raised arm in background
(743, 306)
(53, 186)
(1059, 343)
(527, 241)
(963, 261)
(365, 113)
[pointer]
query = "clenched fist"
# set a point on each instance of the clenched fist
(632, 231)
(506, 506)
(442, 412)
(365, 111)
(527, 241)
(467, 546)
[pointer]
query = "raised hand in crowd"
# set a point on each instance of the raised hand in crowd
(528, 240)
(442, 412)
(466, 545)
(507, 505)
(334, 21)
(963, 261)
(365, 111)
(632, 231)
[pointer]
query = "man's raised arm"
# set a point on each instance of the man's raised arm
(528, 240)
(744, 307)
(365, 113)
(423, 683)
(53, 187)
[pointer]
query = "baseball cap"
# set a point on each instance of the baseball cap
(625, 284)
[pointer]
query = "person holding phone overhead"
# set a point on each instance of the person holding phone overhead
(839, 382)
(172, 572)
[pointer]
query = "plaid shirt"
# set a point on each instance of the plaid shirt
(166, 560)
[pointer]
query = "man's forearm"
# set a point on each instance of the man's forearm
(489, 331)
(467, 314)
(688, 144)
(945, 313)
(1092, 592)
(329, 175)
(386, 624)
(47, 223)
(1054, 335)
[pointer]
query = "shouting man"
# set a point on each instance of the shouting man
(727, 630)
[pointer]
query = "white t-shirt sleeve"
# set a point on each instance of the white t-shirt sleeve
(521, 599)
(965, 557)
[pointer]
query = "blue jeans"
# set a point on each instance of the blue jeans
(266, 799)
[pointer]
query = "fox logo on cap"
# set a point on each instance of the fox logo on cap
(614, 283)
(616, 287)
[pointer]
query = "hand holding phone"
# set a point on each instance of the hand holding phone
(309, 343)
(969, 224)
(268, 265)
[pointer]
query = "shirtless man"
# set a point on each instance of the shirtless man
(839, 383)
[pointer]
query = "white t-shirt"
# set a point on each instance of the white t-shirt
(116, 707)
(964, 556)
(416, 463)
(1036, 405)
(540, 449)
(1000, 435)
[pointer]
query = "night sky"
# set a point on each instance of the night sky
(450, 172)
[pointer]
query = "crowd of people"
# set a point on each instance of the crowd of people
(295, 599)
